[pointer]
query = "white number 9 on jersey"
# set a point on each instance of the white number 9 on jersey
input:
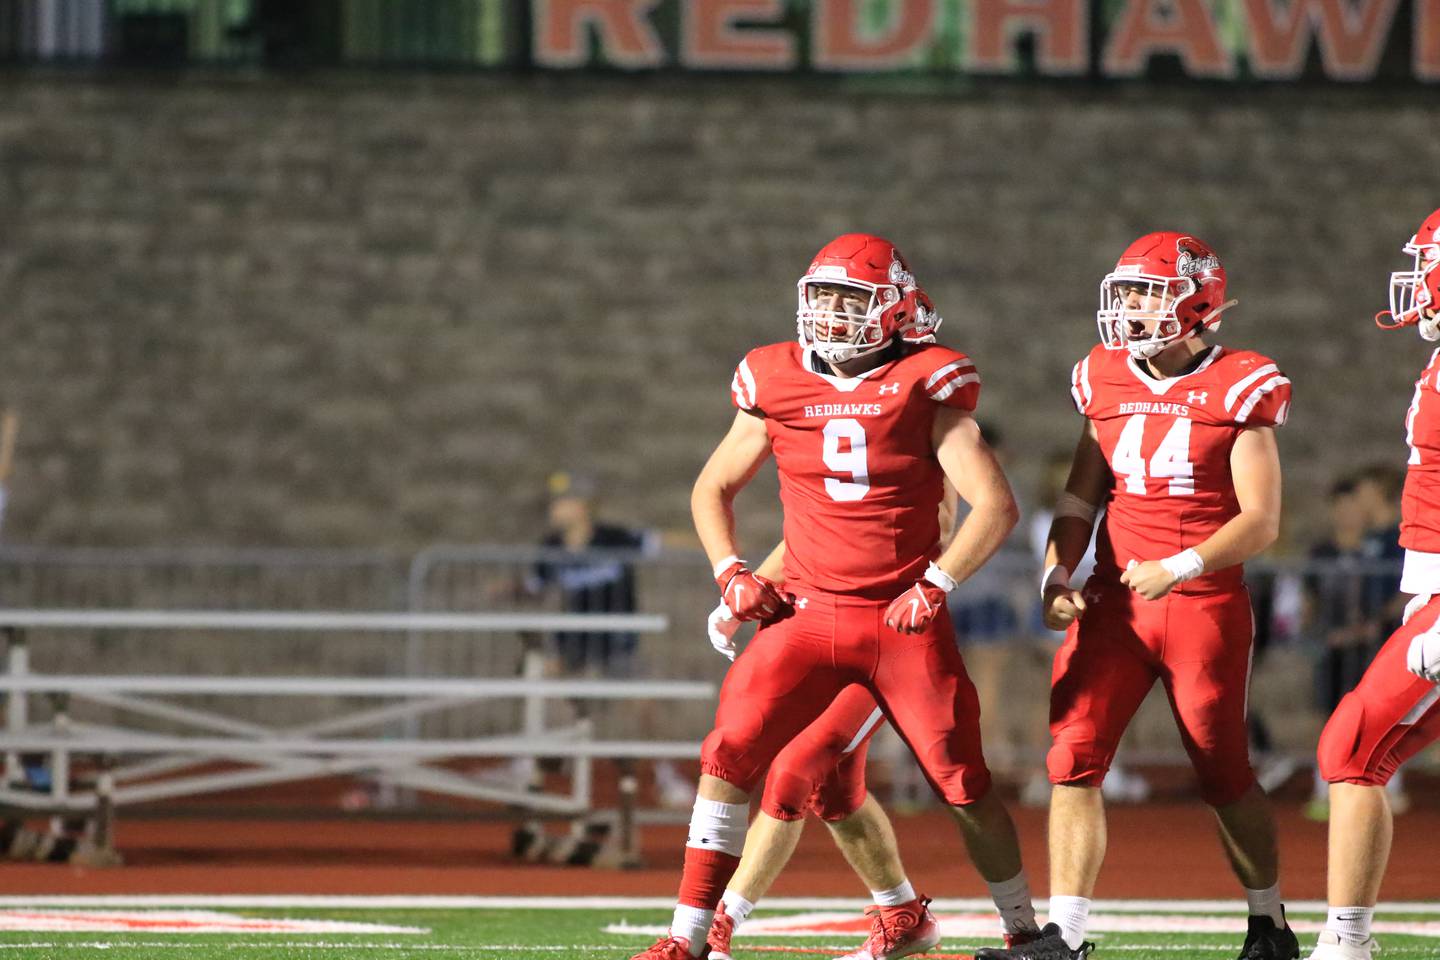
(852, 461)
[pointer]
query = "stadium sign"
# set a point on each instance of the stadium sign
(1270, 40)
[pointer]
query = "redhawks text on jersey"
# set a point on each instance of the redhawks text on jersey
(1168, 444)
(858, 476)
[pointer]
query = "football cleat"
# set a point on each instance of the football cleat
(1048, 945)
(898, 932)
(1265, 941)
(1331, 947)
(722, 928)
(671, 948)
(1020, 938)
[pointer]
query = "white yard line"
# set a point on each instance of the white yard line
(488, 948)
(264, 902)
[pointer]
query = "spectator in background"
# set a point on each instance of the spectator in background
(594, 582)
(1353, 596)
(1378, 488)
(589, 583)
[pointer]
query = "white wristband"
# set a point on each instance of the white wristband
(1185, 565)
(723, 565)
(1055, 573)
(940, 578)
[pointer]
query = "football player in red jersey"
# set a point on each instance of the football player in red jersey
(864, 428)
(1394, 712)
(823, 771)
(1179, 447)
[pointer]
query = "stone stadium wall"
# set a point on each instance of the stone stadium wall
(351, 309)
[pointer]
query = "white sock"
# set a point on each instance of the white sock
(737, 908)
(1012, 899)
(693, 924)
(1070, 914)
(895, 896)
(1266, 903)
(1350, 924)
(719, 826)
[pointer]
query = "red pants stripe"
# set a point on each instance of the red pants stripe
(1390, 716)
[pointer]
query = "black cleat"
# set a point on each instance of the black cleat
(1050, 945)
(1265, 941)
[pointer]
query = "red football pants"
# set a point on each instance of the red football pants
(793, 670)
(1198, 646)
(1390, 716)
(823, 769)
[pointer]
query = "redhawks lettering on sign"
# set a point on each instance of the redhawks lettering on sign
(1262, 39)
(1351, 35)
(713, 36)
(1058, 26)
(563, 29)
(842, 44)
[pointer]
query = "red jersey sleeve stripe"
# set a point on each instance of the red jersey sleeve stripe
(1257, 394)
(964, 363)
(1239, 388)
(954, 383)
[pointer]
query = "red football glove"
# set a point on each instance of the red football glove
(749, 597)
(913, 610)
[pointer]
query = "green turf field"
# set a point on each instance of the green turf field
(557, 935)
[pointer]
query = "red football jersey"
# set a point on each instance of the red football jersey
(1168, 445)
(1420, 503)
(858, 476)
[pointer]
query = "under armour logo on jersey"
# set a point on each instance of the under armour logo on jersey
(888, 388)
(803, 602)
(1197, 396)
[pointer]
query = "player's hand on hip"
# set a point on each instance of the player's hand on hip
(722, 627)
(1062, 606)
(1149, 578)
(913, 610)
(1416, 604)
(748, 596)
(1423, 657)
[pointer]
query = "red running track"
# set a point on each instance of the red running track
(1163, 850)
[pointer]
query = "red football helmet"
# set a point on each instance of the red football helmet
(1413, 293)
(887, 301)
(1183, 281)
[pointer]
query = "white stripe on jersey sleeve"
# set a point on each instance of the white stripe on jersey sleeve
(744, 386)
(1254, 398)
(953, 385)
(965, 363)
(1085, 381)
(1239, 388)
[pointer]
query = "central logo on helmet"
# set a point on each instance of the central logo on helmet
(899, 275)
(1188, 264)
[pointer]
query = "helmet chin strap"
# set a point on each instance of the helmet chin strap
(1429, 329)
(1146, 349)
